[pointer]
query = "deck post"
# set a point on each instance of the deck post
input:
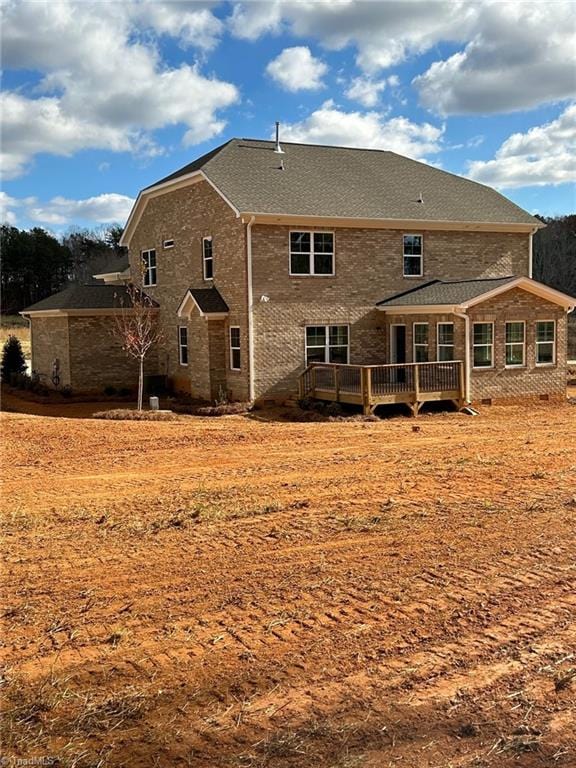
(416, 385)
(313, 380)
(461, 383)
(366, 380)
(336, 383)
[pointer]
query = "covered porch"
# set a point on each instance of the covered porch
(372, 385)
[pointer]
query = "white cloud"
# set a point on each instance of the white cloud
(384, 33)
(546, 154)
(101, 86)
(513, 55)
(365, 90)
(295, 69)
(7, 203)
(331, 125)
(188, 20)
(101, 209)
(520, 55)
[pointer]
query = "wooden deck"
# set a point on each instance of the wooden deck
(372, 385)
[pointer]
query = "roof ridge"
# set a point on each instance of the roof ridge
(476, 280)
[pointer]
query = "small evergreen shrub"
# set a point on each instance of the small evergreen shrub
(13, 360)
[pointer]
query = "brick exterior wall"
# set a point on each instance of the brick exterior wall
(91, 358)
(186, 216)
(49, 340)
(509, 383)
(369, 267)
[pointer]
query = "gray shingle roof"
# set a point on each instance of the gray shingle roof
(345, 182)
(445, 292)
(96, 295)
(209, 300)
(115, 264)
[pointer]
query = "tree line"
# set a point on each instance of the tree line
(36, 264)
(554, 253)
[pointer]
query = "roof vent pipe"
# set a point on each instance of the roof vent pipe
(278, 148)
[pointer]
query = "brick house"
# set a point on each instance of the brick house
(348, 274)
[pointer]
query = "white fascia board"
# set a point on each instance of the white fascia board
(384, 223)
(161, 189)
(189, 302)
(526, 284)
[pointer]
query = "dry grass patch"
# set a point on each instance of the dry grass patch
(128, 414)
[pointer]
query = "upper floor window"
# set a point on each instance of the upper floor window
(545, 342)
(515, 344)
(483, 343)
(420, 341)
(445, 341)
(235, 356)
(149, 267)
(413, 256)
(311, 253)
(207, 258)
(327, 344)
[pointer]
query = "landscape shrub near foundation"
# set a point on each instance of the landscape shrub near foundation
(128, 414)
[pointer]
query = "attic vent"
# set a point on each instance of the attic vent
(168, 243)
(278, 148)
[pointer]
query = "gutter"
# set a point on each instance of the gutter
(467, 370)
(251, 388)
(530, 251)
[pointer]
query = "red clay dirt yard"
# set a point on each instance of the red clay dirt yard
(242, 592)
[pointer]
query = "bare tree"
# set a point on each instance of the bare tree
(137, 329)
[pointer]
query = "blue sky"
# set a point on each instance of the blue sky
(102, 99)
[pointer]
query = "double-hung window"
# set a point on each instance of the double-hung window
(149, 267)
(327, 344)
(207, 258)
(545, 342)
(420, 342)
(515, 344)
(413, 256)
(183, 344)
(445, 341)
(235, 355)
(483, 343)
(311, 253)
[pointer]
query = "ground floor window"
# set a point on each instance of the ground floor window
(483, 343)
(545, 342)
(235, 356)
(515, 344)
(421, 342)
(183, 345)
(445, 341)
(327, 344)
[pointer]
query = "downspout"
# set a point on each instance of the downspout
(531, 252)
(467, 370)
(251, 388)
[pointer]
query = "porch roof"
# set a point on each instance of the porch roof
(208, 301)
(459, 295)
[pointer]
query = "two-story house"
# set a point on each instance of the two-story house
(271, 261)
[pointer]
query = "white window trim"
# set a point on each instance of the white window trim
(180, 345)
(209, 239)
(239, 347)
(438, 345)
(169, 243)
(312, 232)
(414, 344)
(537, 343)
(327, 342)
(148, 269)
(491, 345)
(514, 343)
(421, 273)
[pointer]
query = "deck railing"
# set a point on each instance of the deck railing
(371, 385)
